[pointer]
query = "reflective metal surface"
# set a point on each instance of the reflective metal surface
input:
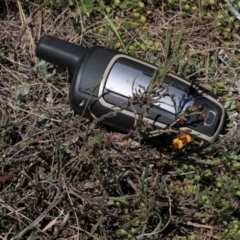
(125, 80)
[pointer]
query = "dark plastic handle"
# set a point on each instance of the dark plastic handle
(60, 52)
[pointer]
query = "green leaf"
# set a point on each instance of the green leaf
(21, 92)
(23, 69)
(123, 199)
(114, 29)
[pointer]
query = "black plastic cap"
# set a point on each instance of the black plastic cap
(60, 52)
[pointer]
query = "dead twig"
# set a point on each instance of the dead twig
(28, 21)
(44, 213)
(6, 177)
(169, 217)
(197, 225)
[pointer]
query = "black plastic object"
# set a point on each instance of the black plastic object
(104, 79)
(59, 52)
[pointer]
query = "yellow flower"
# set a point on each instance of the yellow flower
(185, 138)
(177, 143)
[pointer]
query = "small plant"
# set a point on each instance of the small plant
(21, 93)
(40, 68)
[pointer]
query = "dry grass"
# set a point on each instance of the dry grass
(62, 178)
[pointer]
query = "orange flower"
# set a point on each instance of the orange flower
(177, 143)
(185, 138)
(206, 116)
(182, 120)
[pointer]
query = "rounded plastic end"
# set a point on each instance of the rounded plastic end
(60, 52)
